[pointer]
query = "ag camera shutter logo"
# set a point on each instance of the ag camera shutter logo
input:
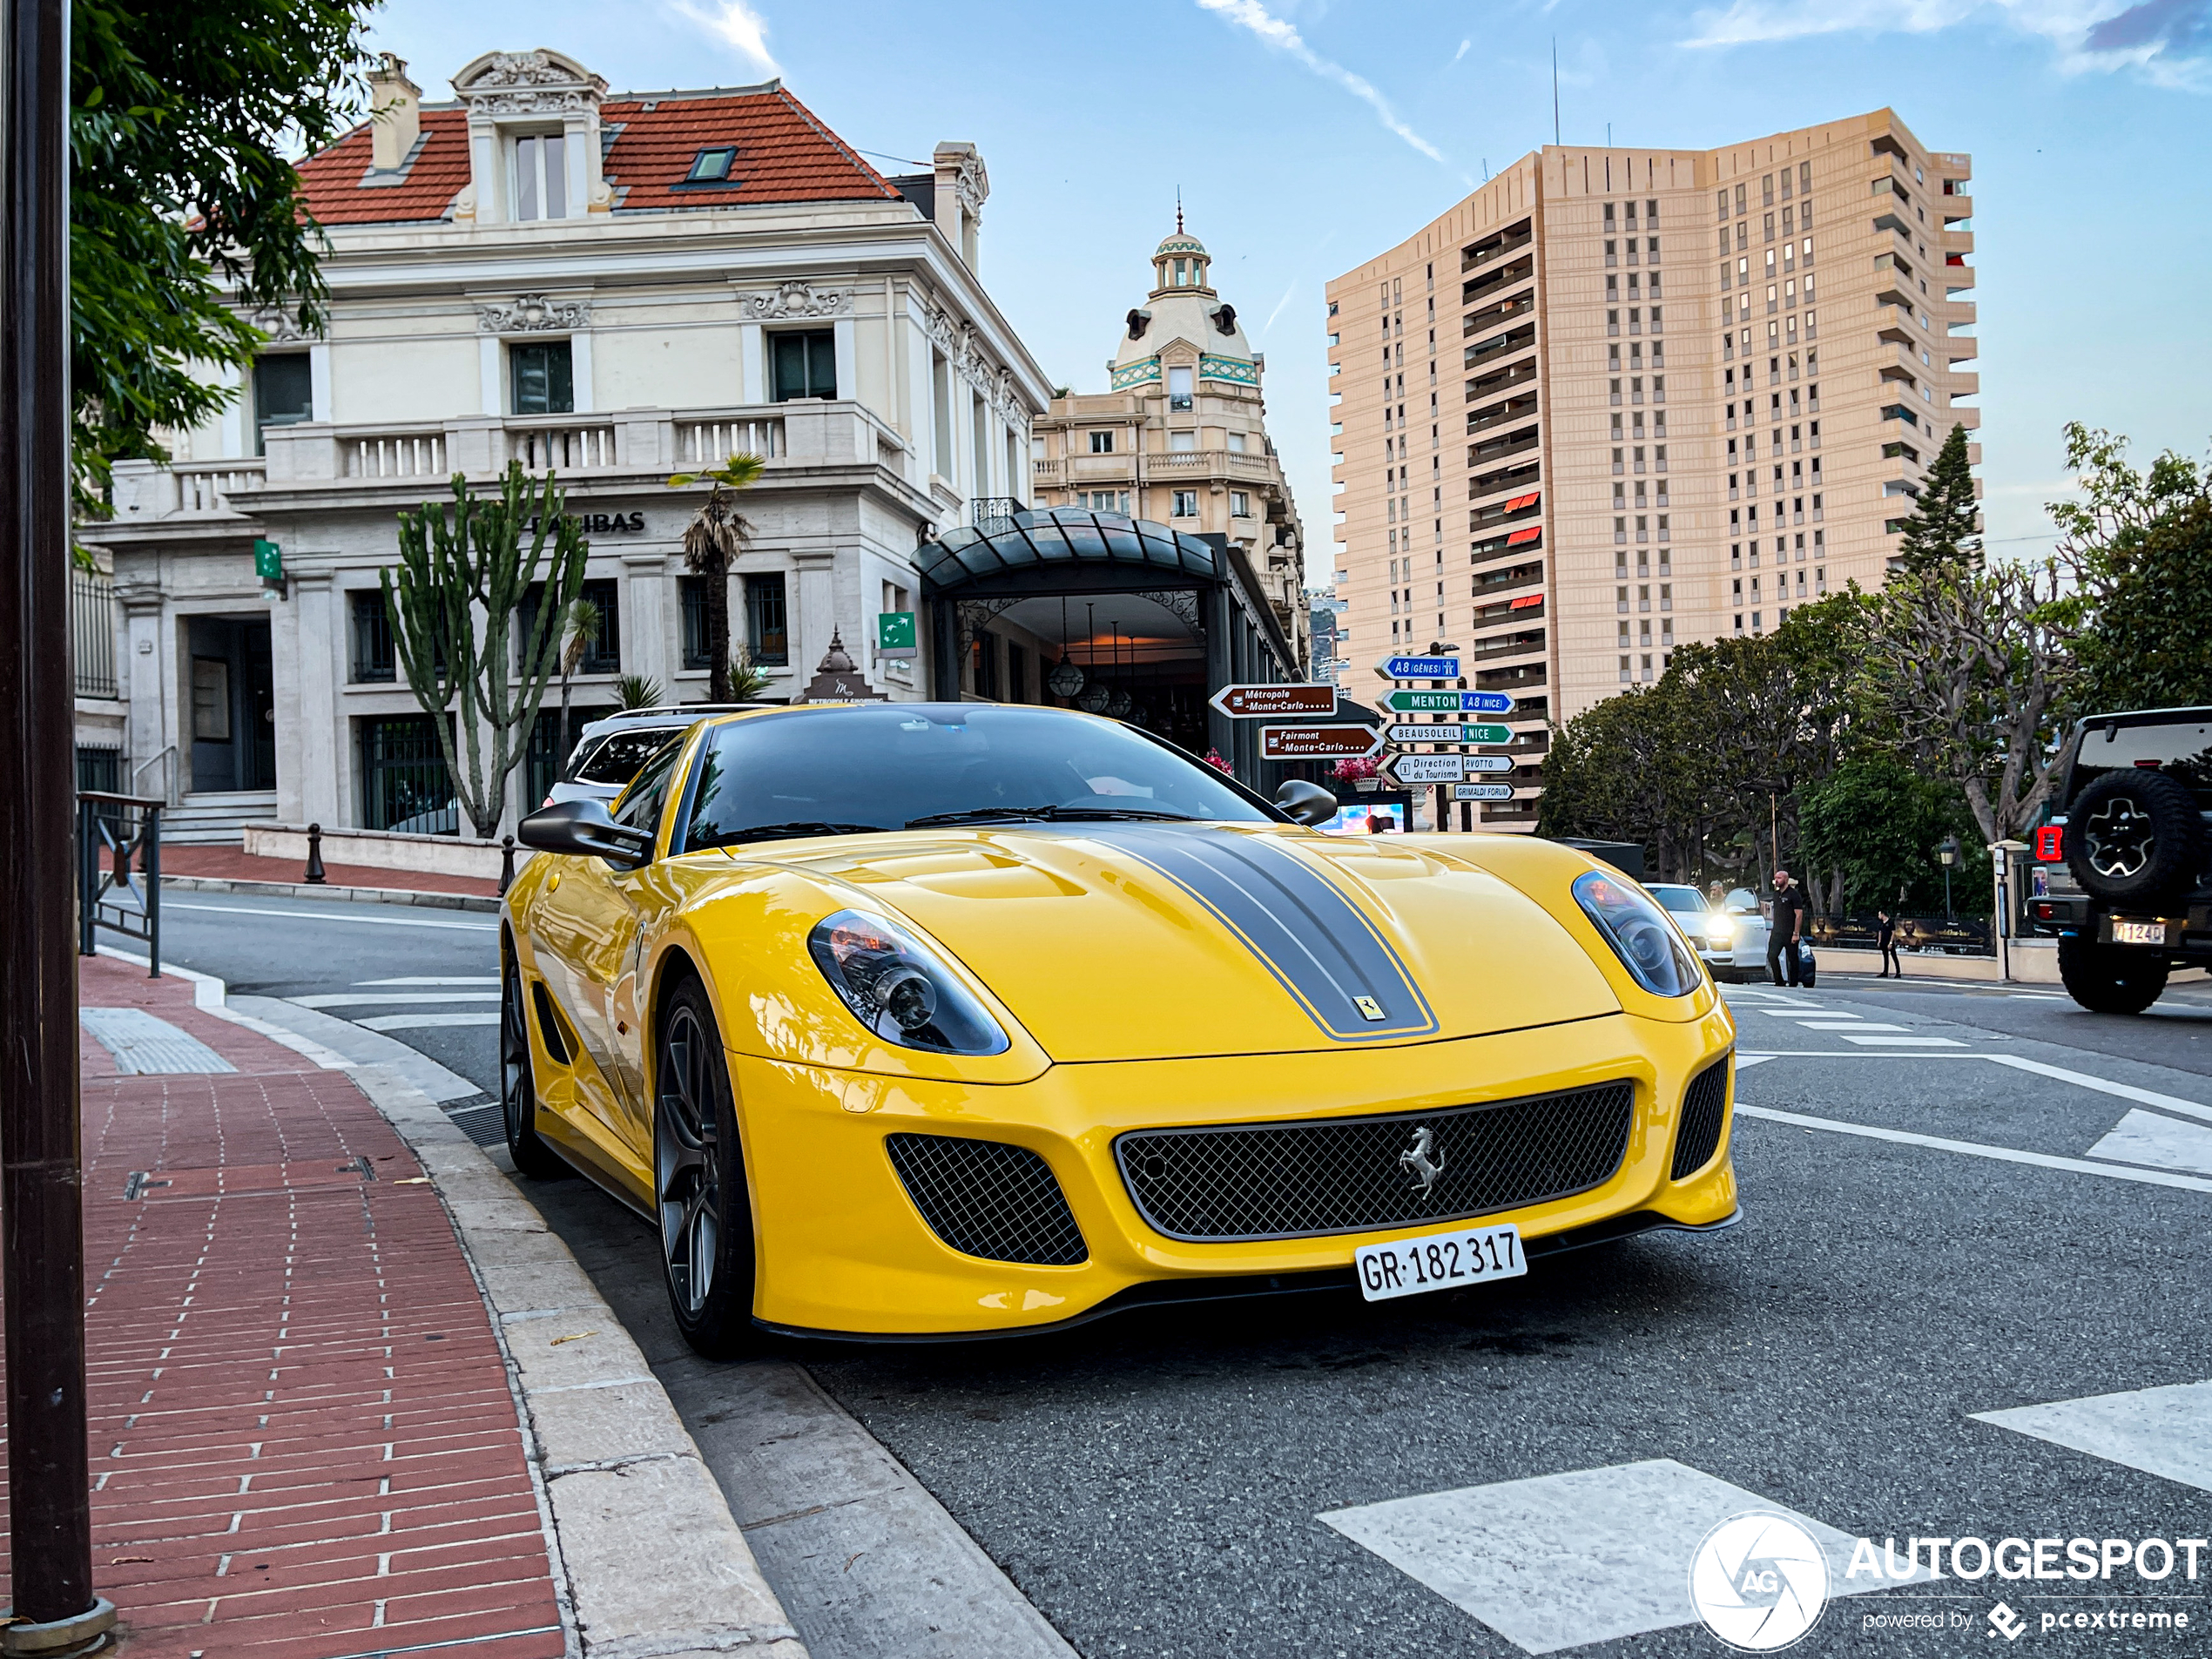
(1759, 1582)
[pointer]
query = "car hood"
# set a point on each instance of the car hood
(1130, 941)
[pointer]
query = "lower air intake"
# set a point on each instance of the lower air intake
(988, 1199)
(1705, 1112)
(1358, 1174)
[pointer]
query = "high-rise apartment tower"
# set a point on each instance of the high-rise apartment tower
(1618, 400)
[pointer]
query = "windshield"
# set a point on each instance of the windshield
(1742, 900)
(2182, 749)
(914, 764)
(1683, 901)
(620, 756)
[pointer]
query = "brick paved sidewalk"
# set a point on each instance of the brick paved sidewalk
(303, 1443)
(231, 864)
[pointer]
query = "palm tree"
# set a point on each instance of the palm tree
(711, 542)
(583, 633)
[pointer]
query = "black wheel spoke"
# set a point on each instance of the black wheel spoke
(686, 1175)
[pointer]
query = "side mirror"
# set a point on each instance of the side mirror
(584, 829)
(1309, 803)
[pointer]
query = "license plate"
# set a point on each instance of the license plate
(1440, 1262)
(2138, 932)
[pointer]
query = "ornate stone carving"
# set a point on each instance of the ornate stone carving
(536, 82)
(796, 298)
(974, 186)
(531, 313)
(522, 69)
(279, 323)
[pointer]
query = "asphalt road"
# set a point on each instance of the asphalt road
(1927, 1238)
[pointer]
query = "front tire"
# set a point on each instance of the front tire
(2107, 980)
(518, 1079)
(699, 1181)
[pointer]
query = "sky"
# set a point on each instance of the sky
(1306, 136)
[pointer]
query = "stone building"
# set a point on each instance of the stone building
(610, 287)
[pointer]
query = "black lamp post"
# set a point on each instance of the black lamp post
(1948, 852)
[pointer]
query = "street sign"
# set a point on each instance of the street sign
(1447, 702)
(1448, 731)
(1425, 769)
(895, 634)
(268, 561)
(1274, 702)
(1317, 742)
(1482, 792)
(1418, 668)
(1488, 762)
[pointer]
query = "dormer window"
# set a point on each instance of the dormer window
(712, 165)
(541, 177)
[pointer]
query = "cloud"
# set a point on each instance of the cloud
(1463, 52)
(1283, 38)
(738, 24)
(2169, 42)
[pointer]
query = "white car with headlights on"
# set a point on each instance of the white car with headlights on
(1730, 941)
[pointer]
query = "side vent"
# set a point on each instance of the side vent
(550, 1030)
(1705, 1113)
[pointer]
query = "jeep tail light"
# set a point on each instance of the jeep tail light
(2050, 843)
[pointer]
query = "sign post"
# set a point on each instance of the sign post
(49, 1511)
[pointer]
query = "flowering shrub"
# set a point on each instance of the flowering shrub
(1214, 759)
(1353, 768)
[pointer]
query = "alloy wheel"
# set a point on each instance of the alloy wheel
(514, 1051)
(2120, 839)
(686, 1166)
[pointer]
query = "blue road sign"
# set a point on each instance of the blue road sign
(1420, 668)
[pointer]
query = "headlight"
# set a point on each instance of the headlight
(898, 988)
(1637, 930)
(1720, 929)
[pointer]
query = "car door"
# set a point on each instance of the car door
(589, 937)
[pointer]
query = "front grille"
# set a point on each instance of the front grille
(1704, 1110)
(1358, 1174)
(987, 1198)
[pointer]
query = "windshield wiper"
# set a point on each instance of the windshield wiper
(1048, 814)
(786, 832)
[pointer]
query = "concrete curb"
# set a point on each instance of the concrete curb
(477, 901)
(655, 1565)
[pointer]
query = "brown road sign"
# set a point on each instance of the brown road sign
(1318, 742)
(1276, 702)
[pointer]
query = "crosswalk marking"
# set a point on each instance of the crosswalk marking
(1560, 1561)
(2145, 1137)
(1975, 1149)
(392, 999)
(2166, 1432)
(1902, 1043)
(430, 979)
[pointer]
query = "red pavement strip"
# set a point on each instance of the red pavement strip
(231, 864)
(303, 1441)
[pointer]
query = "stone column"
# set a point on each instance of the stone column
(309, 641)
(812, 608)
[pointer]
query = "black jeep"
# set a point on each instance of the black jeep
(2120, 873)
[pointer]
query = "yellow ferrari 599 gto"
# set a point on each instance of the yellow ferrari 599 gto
(947, 1020)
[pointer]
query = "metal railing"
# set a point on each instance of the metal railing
(119, 832)
(167, 759)
(91, 615)
(993, 514)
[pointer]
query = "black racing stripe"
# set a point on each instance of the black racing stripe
(1318, 947)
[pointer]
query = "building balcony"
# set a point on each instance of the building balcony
(795, 437)
(1496, 248)
(1965, 384)
(1958, 242)
(1528, 644)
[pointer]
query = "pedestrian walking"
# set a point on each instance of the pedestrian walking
(1885, 941)
(1786, 928)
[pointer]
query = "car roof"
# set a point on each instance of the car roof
(668, 720)
(2145, 717)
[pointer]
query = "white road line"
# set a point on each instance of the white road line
(1560, 1561)
(426, 1022)
(1856, 1025)
(2166, 1143)
(1975, 1149)
(393, 999)
(331, 915)
(2142, 1096)
(427, 979)
(1902, 1043)
(2166, 1432)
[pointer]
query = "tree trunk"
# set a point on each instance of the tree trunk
(717, 629)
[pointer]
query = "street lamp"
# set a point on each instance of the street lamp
(1948, 853)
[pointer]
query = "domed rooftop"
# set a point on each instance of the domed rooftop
(1180, 242)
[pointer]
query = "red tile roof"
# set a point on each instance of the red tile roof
(785, 154)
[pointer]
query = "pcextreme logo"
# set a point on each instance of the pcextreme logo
(2006, 1623)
